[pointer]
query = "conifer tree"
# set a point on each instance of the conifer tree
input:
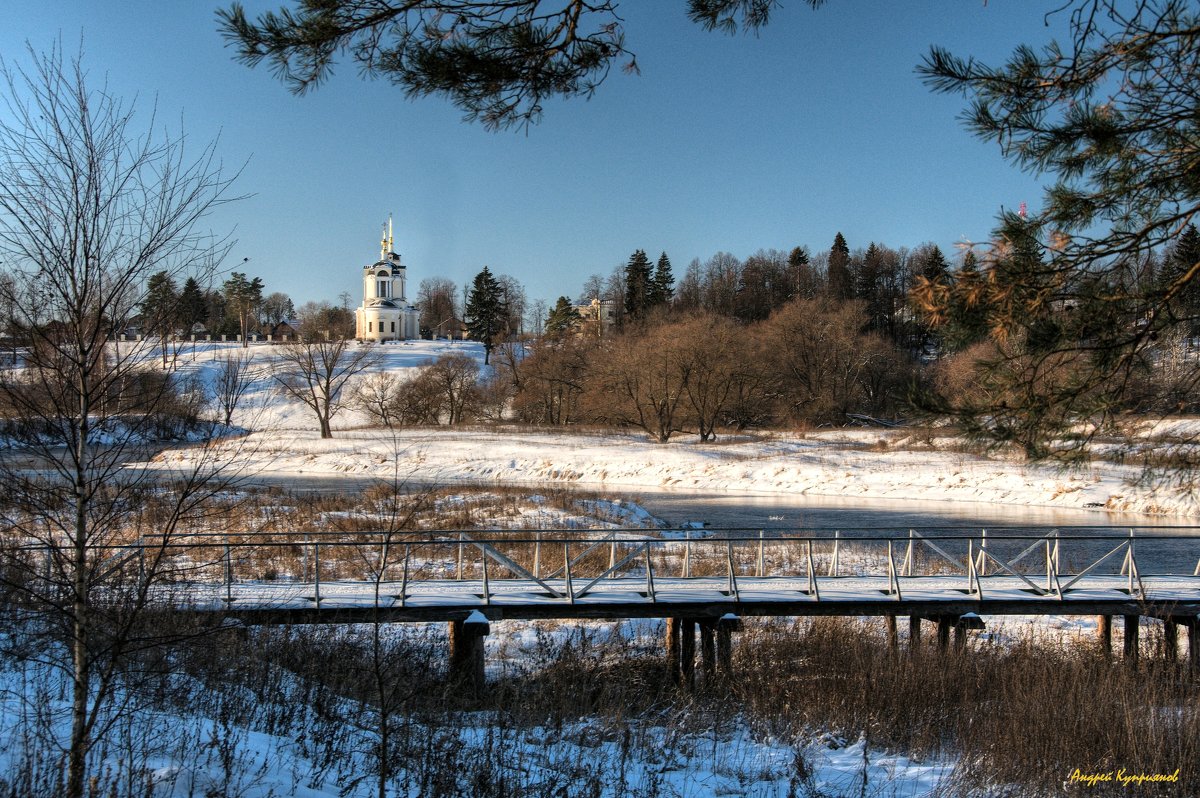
(638, 284)
(193, 308)
(486, 314)
(242, 297)
(841, 282)
(160, 309)
(563, 319)
(934, 267)
(803, 279)
(663, 283)
(1183, 257)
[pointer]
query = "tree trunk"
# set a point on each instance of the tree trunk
(80, 668)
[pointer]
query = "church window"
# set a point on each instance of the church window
(370, 326)
(381, 288)
(393, 326)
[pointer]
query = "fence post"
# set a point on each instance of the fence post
(487, 592)
(761, 571)
(228, 573)
(649, 575)
(567, 569)
(317, 572)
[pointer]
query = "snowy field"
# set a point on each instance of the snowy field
(893, 464)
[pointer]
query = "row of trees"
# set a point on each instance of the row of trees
(809, 363)
(750, 290)
(237, 307)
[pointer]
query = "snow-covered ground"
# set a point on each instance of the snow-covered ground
(282, 439)
(176, 754)
(893, 464)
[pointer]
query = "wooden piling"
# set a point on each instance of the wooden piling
(726, 626)
(893, 637)
(944, 622)
(708, 651)
(1131, 639)
(672, 645)
(1193, 628)
(914, 633)
(1170, 640)
(687, 653)
(1104, 634)
(466, 654)
(1191, 623)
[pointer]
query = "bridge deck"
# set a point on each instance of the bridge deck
(635, 597)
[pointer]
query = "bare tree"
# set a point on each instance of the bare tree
(710, 347)
(315, 370)
(91, 205)
(379, 396)
(641, 381)
(455, 378)
(233, 379)
(554, 378)
(436, 298)
(822, 358)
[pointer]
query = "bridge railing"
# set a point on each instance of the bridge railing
(569, 565)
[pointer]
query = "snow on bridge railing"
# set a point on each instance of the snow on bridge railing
(568, 564)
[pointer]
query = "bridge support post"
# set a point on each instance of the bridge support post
(893, 637)
(914, 634)
(672, 645)
(1170, 640)
(1104, 634)
(944, 622)
(466, 653)
(708, 650)
(1193, 627)
(726, 625)
(1131, 639)
(1192, 624)
(687, 653)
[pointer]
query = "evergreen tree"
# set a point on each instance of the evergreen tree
(840, 281)
(934, 267)
(638, 284)
(803, 278)
(500, 62)
(563, 319)
(161, 304)
(1177, 279)
(486, 315)
(160, 309)
(662, 285)
(193, 308)
(242, 298)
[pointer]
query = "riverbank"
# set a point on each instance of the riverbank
(858, 464)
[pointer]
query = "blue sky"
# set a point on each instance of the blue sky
(732, 143)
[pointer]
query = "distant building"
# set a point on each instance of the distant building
(597, 316)
(385, 313)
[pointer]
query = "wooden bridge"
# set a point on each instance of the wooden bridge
(706, 579)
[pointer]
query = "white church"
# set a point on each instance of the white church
(385, 313)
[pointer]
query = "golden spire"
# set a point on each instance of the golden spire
(385, 241)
